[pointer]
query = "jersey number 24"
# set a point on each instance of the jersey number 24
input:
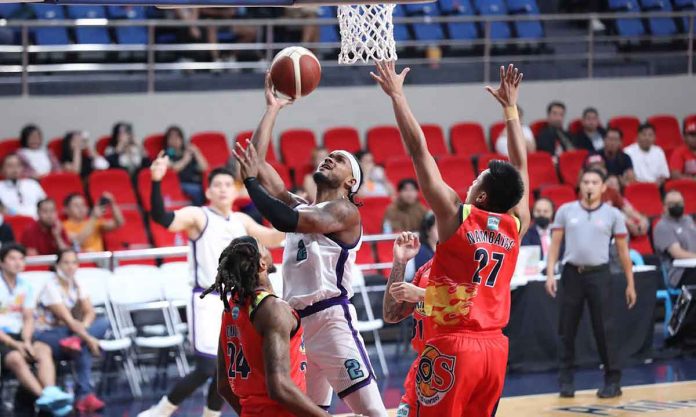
(482, 257)
(238, 363)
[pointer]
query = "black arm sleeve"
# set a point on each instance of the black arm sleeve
(281, 216)
(159, 215)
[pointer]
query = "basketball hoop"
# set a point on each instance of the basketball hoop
(367, 33)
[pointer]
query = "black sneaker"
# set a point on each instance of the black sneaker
(567, 390)
(611, 390)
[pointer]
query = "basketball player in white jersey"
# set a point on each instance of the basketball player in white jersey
(320, 248)
(209, 229)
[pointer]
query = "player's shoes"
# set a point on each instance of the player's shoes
(610, 390)
(162, 409)
(567, 390)
(53, 398)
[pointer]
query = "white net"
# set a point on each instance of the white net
(367, 32)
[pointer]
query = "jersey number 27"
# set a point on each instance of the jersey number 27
(482, 257)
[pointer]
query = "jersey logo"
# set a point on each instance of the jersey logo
(301, 251)
(235, 313)
(435, 376)
(493, 223)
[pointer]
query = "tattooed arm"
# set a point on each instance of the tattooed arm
(397, 308)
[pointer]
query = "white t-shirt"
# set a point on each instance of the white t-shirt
(13, 302)
(501, 145)
(20, 197)
(648, 166)
(37, 159)
(53, 293)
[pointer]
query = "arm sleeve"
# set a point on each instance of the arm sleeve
(281, 216)
(159, 215)
(559, 220)
(619, 227)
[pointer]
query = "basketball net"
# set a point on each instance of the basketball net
(367, 33)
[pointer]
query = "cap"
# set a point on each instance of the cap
(690, 128)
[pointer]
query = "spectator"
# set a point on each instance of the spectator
(6, 233)
(242, 33)
(501, 142)
(85, 230)
(675, 238)
(406, 213)
(17, 349)
(309, 33)
(591, 137)
(375, 183)
(618, 164)
(539, 234)
(649, 162)
(78, 156)
(67, 323)
(553, 139)
(310, 187)
(429, 237)
(682, 163)
(19, 196)
(46, 236)
(124, 152)
(187, 161)
(35, 157)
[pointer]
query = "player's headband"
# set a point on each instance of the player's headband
(355, 166)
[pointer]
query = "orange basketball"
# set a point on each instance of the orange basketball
(295, 72)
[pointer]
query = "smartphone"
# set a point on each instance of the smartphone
(103, 201)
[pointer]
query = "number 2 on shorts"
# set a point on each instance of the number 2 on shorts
(353, 368)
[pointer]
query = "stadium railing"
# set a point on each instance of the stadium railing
(591, 52)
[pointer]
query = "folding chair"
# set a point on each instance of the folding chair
(372, 324)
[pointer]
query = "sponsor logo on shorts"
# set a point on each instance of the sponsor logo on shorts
(435, 376)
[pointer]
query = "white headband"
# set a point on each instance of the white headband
(355, 167)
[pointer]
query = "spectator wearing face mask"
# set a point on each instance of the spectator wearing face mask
(675, 238)
(539, 234)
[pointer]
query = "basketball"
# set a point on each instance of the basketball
(295, 72)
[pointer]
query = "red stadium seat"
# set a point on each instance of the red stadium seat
(645, 197)
(384, 142)
(575, 126)
(467, 138)
(8, 146)
(687, 187)
(213, 146)
(385, 253)
(628, 125)
(242, 137)
(129, 236)
(537, 126)
(689, 119)
(153, 144)
(102, 143)
(667, 131)
(483, 160)
(372, 213)
(173, 197)
(457, 171)
(435, 138)
(55, 147)
(541, 170)
(559, 194)
(18, 224)
(570, 164)
(366, 256)
(277, 255)
(344, 138)
(162, 237)
(59, 185)
(494, 132)
(398, 169)
(296, 146)
(641, 244)
(115, 181)
(300, 173)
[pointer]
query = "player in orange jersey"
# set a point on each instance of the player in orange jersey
(467, 300)
(261, 358)
(402, 299)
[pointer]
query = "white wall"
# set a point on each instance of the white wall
(362, 107)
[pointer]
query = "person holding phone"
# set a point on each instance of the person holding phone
(187, 161)
(84, 229)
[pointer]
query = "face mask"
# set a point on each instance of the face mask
(542, 222)
(676, 210)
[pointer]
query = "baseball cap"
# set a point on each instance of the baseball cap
(690, 128)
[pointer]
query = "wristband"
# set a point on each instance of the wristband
(511, 113)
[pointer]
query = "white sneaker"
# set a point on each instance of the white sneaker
(597, 25)
(207, 412)
(163, 409)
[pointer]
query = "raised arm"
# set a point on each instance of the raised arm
(441, 198)
(261, 139)
(189, 219)
(275, 323)
(507, 94)
(405, 248)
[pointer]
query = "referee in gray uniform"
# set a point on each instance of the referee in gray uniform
(588, 226)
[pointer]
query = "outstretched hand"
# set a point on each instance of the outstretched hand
(159, 166)
(406, 247)
(391, 82)
(248, 159)
(272, 100)
(507, 92)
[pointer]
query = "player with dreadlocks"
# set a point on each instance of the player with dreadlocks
(261, 359)
(322, 239)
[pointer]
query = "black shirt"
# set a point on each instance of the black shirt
(550, 136)
(619, 164)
